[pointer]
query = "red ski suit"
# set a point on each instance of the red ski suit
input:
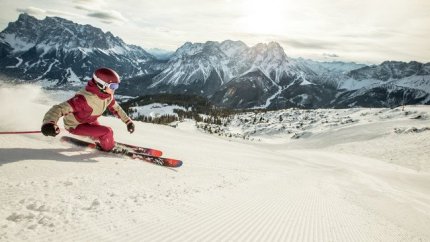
(81, 113)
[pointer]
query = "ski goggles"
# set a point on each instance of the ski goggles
(112, 86)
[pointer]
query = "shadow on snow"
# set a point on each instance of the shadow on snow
(9, 155)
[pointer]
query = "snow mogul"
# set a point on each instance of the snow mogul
(81, 111)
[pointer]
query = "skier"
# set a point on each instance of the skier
(81, 111)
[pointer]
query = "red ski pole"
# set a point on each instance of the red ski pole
(22, 132)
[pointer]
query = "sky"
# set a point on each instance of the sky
(364, 31)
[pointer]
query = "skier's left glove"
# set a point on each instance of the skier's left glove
(130, 127)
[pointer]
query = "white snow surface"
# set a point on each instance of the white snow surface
(155, 110)
(362, 180)
(50, 67)
(352, 84)
(418, 82)
(17, 44)
(72, 78)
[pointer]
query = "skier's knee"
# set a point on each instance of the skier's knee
(106, 141)
(107, 131)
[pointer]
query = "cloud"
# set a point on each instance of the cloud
(43, 12)
(308, 43)
(304, 43)
(330, 55)
(379, 34)
(90, 2)
(31, 11)
(108, 16)
(92, 6)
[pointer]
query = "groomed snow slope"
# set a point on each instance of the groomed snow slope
(226, 190)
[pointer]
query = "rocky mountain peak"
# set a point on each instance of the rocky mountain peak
(59, 32)
(59, 49)
(22, 18)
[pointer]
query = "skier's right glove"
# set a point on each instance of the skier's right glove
(50, 129)
(130, 127)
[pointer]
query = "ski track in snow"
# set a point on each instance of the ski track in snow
(269, 100)
(48, 70)
(17, 64)
(225, 191)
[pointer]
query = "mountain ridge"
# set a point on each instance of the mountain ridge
(60, 53)
(60, 50)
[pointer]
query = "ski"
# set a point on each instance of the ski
(138, 149)
(169, 162)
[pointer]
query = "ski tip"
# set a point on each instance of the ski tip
(173, 162)
(155, 153)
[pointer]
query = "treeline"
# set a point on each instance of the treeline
(196, 107)
(164, 119)
(196, 103)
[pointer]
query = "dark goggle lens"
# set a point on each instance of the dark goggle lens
(114, 86)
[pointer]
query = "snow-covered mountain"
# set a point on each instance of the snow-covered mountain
(392, 83)
(412, 74)
(391, 70)
(161, 54)
(199, 68)
(329, 73)
(65, 52)
(234, 75)
(229, 73)
(209, 69)
(250, 89)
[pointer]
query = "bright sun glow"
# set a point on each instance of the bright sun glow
(263, 17)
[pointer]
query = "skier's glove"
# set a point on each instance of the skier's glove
(130, 127)
(50, 129)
